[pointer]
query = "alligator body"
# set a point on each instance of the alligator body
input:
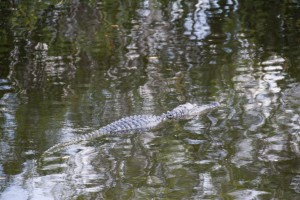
(142, 122)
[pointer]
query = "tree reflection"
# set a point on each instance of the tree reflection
(69, 67)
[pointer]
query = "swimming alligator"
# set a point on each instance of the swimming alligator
(141, 122)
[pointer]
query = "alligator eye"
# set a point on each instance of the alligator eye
(169, 115)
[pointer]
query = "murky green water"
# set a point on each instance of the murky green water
(70, 67)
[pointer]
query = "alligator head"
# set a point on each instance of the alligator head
(188, 110)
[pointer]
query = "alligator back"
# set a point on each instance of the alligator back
(133, 123)
(127, 124)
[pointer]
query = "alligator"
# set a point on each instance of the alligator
(141, 122)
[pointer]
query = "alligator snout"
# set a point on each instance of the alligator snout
(215, 104)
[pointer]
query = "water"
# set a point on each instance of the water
(71, 67)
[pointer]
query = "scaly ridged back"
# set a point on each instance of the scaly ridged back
(126, 124)
(136, 122)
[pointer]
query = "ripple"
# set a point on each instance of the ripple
(273, 68)
(5, 85)
(247, 194)
(195, 127)
(194, 142)
(253, 120)
(275, 149)
(295, 184)
(40, 46)
(295, 141)
(78, 171)
(177, 11)
(154, 180)
(54, 167)
(196, 24)
(205, 188)
(272, 60)
(292, 95)
(15, 192)
(244, 154)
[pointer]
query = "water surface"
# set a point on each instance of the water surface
(71, 67)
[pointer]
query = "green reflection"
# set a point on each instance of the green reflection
(70, 67)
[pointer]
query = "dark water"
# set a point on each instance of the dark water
(69, 67)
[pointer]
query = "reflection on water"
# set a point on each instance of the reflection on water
(68, 68)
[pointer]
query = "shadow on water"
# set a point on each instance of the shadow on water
(69, 68)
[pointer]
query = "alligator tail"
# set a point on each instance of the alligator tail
(61, 145)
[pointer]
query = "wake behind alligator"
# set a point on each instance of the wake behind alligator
(141, 122)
